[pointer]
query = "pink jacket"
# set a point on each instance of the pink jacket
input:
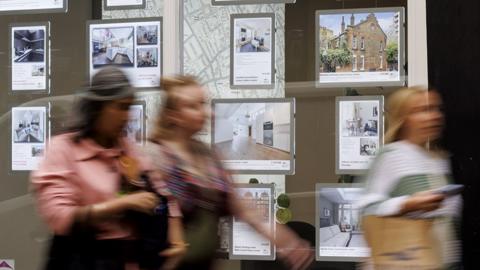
(78, 174)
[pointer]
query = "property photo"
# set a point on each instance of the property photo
(147, 35)
(147, 57)
(253, 35)
(368, 147)
(38, 70)
(28, 126)
(134, 127)
(339, 219)
(253, 131)
(37, 150)
(29, 46)
(113, 46)
(359, 118)
(358, 42)
(258, 201)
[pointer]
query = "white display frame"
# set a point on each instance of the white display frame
(291, 101)
(124, 7)
(402, 49)
(233, 18)
(108, 23)
(46, 135)
(250, 2)
(272, 225)
(47, 55)
(318, 209)
(64, 9)
(338, 131)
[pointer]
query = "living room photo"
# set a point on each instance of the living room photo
(253, 35)
(340, 232)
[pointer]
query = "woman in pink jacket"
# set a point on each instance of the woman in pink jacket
(78, 183)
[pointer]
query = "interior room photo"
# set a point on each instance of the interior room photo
(147, 35)
(253, 35)
(147, 57)
(28, 126)
(253, 131)
(29, 45)
(113, 46)
(134, 128)
(359, 118)
(339, 219)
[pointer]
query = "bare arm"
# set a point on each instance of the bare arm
(291, 248)
(138, 201)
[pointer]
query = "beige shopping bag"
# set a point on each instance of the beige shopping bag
(401, 243)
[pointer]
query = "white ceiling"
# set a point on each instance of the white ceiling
(260, 25)
(341, 195)
(236, 112)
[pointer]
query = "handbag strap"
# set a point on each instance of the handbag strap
(162, 207)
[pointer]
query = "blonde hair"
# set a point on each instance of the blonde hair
(396, 111)
(163, 127)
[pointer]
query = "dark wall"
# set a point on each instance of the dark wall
(325, 203)
(68, 73)
(453, 57)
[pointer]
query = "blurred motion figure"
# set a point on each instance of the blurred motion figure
(79, 186)
(401, 182)
(195, 176)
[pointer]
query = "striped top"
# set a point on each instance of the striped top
(400, 170)
(210, 191)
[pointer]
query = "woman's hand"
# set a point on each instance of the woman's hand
(422, 201)
(178, 248)
(299, 255)
(140, 201)
(173, 255)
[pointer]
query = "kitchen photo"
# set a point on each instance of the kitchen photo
(113, 46)
(253, 131)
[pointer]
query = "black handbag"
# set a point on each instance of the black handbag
(152, 230)
(81, 251)
(72, 252)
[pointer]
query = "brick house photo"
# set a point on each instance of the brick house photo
(366, 43)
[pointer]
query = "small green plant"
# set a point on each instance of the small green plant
(253, 181)
(283, 215)
(392, 53)
(283, 200)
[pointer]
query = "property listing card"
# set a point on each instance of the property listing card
(29, 5)
(339, 231)
(360, 47)
(29, 57)
(120, 3)
(28, 137)
(252, 51)
(133, 46)
(359, 132)
(245, 241)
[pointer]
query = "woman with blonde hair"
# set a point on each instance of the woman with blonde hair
(402, 180)
(195, 176)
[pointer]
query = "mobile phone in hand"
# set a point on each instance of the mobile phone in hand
(449, 190)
